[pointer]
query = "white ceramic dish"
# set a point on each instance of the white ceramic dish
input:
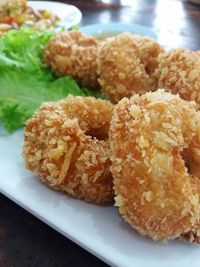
(100, 230)
(116, 28)
(69, 14)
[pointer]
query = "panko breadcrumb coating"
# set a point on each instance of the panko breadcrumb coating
(198, 52)
(66, 144)
(179, 72)
(193, 236)
(155, 145)
(72, 53)
(125, 65)
(150, 51)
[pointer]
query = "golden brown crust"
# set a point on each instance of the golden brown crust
(125, 66)
(193, 236)
(179, 72)
(61, 147)
(151, 137)
(72, 53)
(197, 52)
(150, 51)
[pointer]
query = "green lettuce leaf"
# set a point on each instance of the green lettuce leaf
(24, 80)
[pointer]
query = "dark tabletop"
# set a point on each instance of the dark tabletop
(24, 240)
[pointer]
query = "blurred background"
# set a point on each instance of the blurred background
(176, 22)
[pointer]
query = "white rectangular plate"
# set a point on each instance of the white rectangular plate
(100, 230)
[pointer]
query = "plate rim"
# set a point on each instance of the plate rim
(101, 27)
(63, 21)
(85, 240)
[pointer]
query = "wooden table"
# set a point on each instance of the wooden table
(24, 240)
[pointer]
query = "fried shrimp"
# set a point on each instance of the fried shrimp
(198, 52)
(149, 54)
(179, 72)
(72, 53)
(125, 65)
(155, 146)
(66, 144)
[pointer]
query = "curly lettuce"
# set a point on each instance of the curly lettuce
(25, 82)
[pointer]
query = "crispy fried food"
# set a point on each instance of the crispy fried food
(149, 54)
(193, 236)
(197, 52)
(179, 72)
(155, 145)
(72, 53)
(66, 144)
(125, 65)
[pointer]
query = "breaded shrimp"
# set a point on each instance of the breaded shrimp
(66, 145)
(155, 144)
(72, 53)
(179, 72)
(125, 65)
(150, 51)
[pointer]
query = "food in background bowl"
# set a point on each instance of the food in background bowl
(12, 10)
(15, 13)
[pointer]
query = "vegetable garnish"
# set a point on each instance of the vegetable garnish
(25, 82)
